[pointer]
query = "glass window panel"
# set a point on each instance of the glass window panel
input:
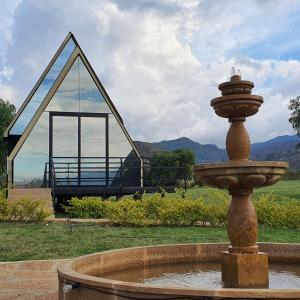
(93, 137)
(29, 163)
(65, 136)
(120, 150)
(27, 114)
(65, 149)
(66, 98)
(93, 151)
(91, 100)
(61, 61)
(119, 145)
(41, 92)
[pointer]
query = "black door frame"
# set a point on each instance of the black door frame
(79, 115)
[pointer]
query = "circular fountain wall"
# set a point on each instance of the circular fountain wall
(86, 273)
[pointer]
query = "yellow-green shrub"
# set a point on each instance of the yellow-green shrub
(277, 211)
(4, 210)
(215, 207)
(23, 210)
(126, 212)
(181, 211)
(210, 208)
(87, 207)
(152, 205)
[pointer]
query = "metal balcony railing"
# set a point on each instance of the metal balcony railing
(85, 172)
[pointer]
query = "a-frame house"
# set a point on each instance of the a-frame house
(68, 135)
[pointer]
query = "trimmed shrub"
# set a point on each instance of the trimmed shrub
(152, 205)
(181, 212)
(176, 209)
(87, 207)
(23, 210)
(126, 212)
(274, 211)
(215, 207)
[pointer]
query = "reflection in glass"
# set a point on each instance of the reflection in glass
(91, 100)
(66, 98)
(24, 119)
(65, 136)
(92, 137)
(41, 92)
(93, 151)
(118, 143)
(29, 163)
(65, 149)
(126, 164)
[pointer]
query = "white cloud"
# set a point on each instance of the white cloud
(7, 92)
(160, 61)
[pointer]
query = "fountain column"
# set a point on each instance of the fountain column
(241, 217)
(242, 265)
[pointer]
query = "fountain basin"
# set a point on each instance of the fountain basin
(83, 271)
(240, 174)
(237, 106)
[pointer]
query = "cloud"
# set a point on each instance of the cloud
(161, 62)
(7, 20)
(7, 92)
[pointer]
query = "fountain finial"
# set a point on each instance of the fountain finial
(233, 71)
(235, 74)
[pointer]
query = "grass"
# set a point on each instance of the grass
(289, 188)
(53, 241)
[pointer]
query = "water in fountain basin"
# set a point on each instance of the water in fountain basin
(201, 275)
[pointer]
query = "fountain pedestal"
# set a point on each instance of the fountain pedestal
(242, 264)
(245, 270)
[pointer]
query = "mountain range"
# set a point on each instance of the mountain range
(279, 148)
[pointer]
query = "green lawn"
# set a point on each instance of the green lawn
(290, 188)
(39, 241)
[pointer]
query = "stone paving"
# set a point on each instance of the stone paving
(29, 280)
(103, 222)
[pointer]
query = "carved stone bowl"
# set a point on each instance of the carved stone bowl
(236, 86)
(240, 174)
(235, 106)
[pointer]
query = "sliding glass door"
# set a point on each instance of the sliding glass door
(78, 149)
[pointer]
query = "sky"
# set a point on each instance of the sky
(161, 60)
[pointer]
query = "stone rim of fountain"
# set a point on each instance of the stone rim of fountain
(80, 271)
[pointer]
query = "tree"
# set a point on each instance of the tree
(294, 107)
(7, 112)
(185, 158)
(167, 168)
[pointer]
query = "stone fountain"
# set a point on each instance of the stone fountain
(121, 274)
(242, 265)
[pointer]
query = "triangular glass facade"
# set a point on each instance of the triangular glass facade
(79, 134)
(78, 92)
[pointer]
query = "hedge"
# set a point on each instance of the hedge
(177, 209)
(23, 210)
